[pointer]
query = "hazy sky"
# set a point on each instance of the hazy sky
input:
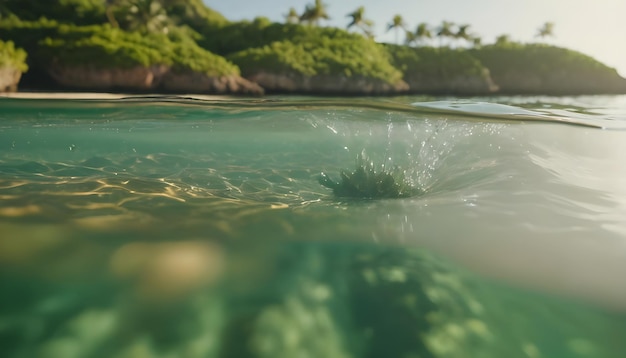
(594, 27)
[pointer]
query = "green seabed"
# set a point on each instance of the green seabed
(290, 299)
(155, 227)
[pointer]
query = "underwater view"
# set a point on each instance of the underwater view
(160, 226)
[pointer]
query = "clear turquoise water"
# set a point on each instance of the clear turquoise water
(169, 227)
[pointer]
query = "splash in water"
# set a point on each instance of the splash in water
(366, 181)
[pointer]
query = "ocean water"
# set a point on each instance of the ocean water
(180, 227)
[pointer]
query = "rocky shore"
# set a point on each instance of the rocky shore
(419, 71)
(326, 84)
(153, 78)
(557, 83)
(462, 84)
(9, 78)
(163, 79)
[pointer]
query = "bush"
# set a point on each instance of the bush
(320, 56)
(551, 69)
(539, 58)
(106, 47)
(194, 14)
(13, 57)
(438, 63)
(238, 36)
(28, 34)
(79, 12)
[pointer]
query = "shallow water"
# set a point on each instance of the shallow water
(161, 227)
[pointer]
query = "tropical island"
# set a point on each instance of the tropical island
(183, 46)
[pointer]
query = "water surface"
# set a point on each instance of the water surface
(166, 227)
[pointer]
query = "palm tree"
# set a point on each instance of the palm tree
(445, 30)
(477, 42)
(146, 15)
(422, 32)
(547, 30)
(462, 33)
(361, 22)
(397, 23)
(314, 13)
(292, 16)
(410, 38)
(109, 8)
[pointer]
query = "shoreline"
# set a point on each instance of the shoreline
(102, 95)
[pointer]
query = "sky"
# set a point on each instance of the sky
(594, 27)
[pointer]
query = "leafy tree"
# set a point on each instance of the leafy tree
(79, 12)
(410, 38)
(361, 22)
(195, 14)
(107, 47)
(547, 30)
(146, 15)
(12, 56)
(320, 55)
(503, 40)
(241, 35)
(314, 13)
(397, 23)
(292, 16)
(439, 70)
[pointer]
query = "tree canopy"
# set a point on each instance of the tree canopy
(12, 56)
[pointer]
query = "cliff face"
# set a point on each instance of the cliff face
(327, 84)
(460, 84)
(544, 69)
(9, 78)
(192, 82)
(151, 78)
(90, 77)
(557, 83)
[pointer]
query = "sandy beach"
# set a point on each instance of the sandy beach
(100, 95)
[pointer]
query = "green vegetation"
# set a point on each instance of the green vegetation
(195, 14)
(366, 181)
(243, 35)
(314, 13)
(540, 59)
(27, 34)
(320, 56)
(533, 68)
(305, 299)
(430, 62)
(397, 23)
(12, 57)
(79, 12)
(359, 21)
(106, 47)
(546, 30)
(185, 35)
